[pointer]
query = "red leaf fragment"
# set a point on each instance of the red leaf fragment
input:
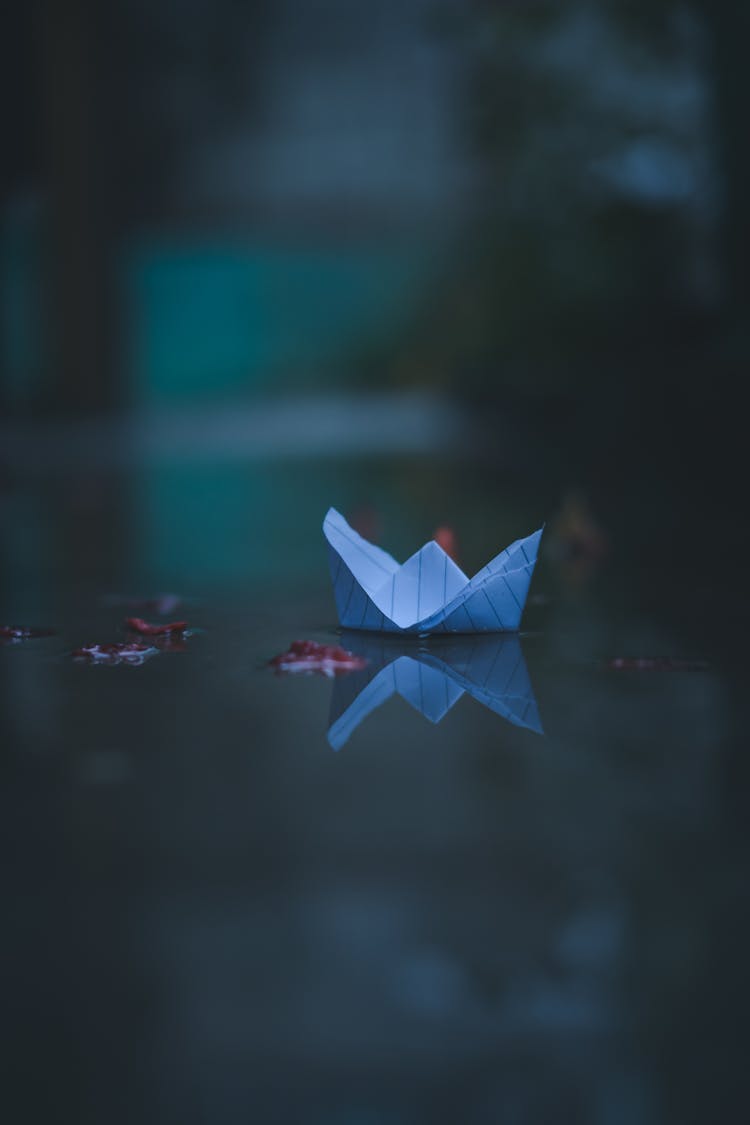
(313, 658)
(138, 625)
(130, 652)
(654, 664)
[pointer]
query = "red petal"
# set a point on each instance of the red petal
(138, 625)
(325, 660)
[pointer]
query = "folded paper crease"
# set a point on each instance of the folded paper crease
(429, 593)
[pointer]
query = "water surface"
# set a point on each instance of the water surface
(214, 915)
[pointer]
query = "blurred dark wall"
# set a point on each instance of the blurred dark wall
(728, 31)
(96, 129)
(581, 167)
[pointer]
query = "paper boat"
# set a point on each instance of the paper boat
(428, 593)
(491, 669)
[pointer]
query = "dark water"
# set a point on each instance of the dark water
(211, 915)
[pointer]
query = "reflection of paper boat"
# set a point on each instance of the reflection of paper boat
(491, 669)
(429, 593)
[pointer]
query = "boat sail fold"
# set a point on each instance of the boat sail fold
(428, 593)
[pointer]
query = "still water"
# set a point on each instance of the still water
(481, 881)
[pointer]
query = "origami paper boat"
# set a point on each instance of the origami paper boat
(491, 669)
(428, 593)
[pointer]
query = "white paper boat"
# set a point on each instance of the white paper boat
(431, 680)
(428, 593)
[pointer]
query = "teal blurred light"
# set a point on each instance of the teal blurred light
(211, 317)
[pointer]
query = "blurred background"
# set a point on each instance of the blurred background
(215, 219)
(471, 264)
(535, 206)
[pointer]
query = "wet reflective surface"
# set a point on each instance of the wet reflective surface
(432, 675)
(531, 910)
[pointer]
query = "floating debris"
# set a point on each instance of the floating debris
(317, 659)
(138, 625)
(129, 652)
(654, 664)
(22, 633)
